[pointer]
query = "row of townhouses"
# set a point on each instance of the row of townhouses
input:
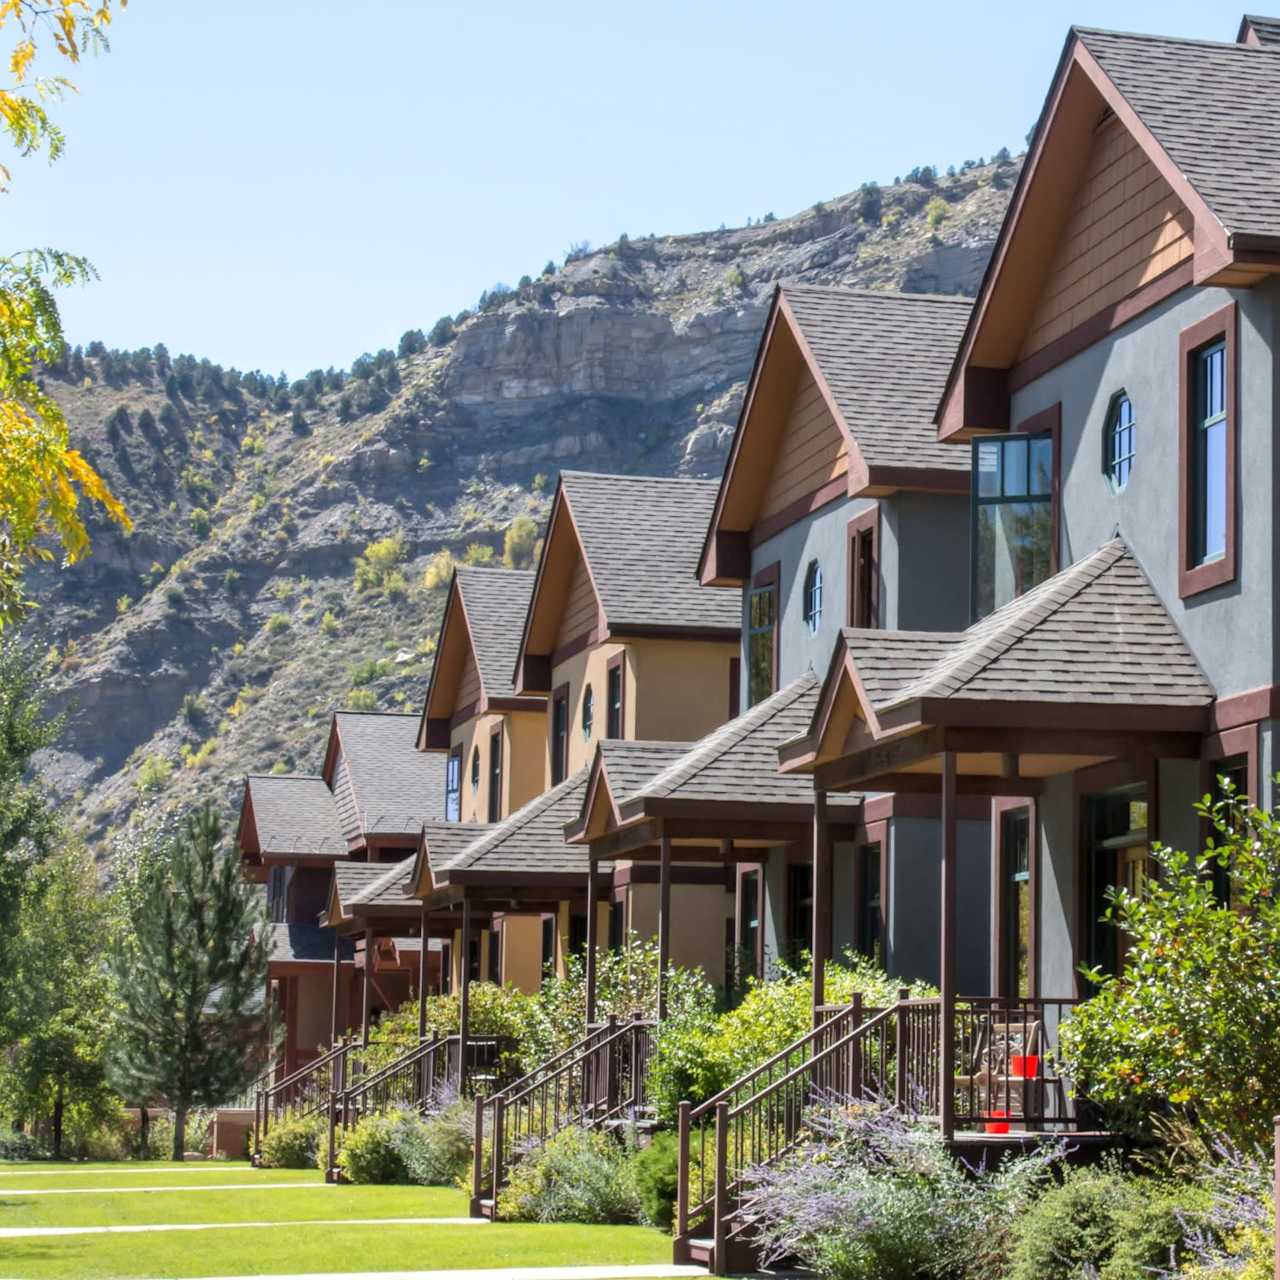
(985, 599)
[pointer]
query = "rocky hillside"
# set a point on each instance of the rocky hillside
(258, 591)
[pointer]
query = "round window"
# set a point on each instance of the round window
(813, 596)
(588, 711)
(1119, 441)
(475, 768)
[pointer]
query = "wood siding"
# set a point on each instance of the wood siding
(581, 612)
(1125, 227)
(468, 684)
(810, 453)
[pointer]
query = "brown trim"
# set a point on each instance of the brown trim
(1000, 890)
(1098, 326)
(1244, 708)
(463, 714)
(617, 663)
(796, 511)
(887, 479)
(559, 695)
(866, 521)
(1122, 718)
(455, 753)
(1222, 324)
(681, 873)
(904, 804)
(526, 703)
(744, 811)
(573, 647)
(1244, 740)
(658, 631)
(534, 674)
(434, 735)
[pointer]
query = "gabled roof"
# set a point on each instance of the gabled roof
(880, 360)
(383, 786)
(304, 944)
(483, 618)
(290, 815)
(639, 538)
(1203, 114)
(1255, 29)
(441, 845)
(390, 889)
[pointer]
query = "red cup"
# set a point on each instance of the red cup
(1025, 1066)
(998, 1126)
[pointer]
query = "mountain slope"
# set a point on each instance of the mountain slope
(217, 638)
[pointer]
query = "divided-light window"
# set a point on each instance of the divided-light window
(1209, 454)
(1119, 441)
(762, 623)
(453, 786)
(813, 597)
(1011, 533)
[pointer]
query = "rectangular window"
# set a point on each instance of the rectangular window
(617, 918)
(577, 933)
(495, 956)
(1235, 770)
(799, 909)
(735, 687)
(495, 775)
(446, 968)
(1207, 446)
(762, 637)
(864, 570)
(560, 735)
(1115, 827)
(453, 785)
(869, 904)
(548, 944)
(1015, 905)
(1012, 529)
(749, 926)
(616, 709)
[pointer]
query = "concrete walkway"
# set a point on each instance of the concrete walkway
(640, 1271)
(17, 1233)
(70, 1170)
(133, 1191)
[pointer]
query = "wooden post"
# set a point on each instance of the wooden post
(337, 979)
(720, 1228)
(464, 993)
(592, 940)
(683, 1172)
(664, 922)
(900, 1052)
(853, 1090)
(821, 900)
(477, 1161)
(947, 960)
(366, 998)
(422, 977)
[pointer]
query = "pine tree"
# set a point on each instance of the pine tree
(190, 975)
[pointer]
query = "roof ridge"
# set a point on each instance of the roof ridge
(519, 820)
(720, 740)
(374, 887)
(288, 777)
(1188, 40)
(864, 291)
(403, 715)
(616, 475)
(1059, 591)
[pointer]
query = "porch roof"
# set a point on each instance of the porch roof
(1090, 651)
(293, 815)
(352, 882)
(303, 944)
(442, 844)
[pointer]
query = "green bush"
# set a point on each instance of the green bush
(436, 1150)
(370, 1153)
(581, 1175)
(21, 1146)
(1102, 1222)
(655, 1173)
(295, 1143)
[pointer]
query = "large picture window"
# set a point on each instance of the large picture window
(762, 636)
(1013, 518)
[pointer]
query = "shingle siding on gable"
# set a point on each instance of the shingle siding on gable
(1125, 228)
(345, 799)
(811, 452)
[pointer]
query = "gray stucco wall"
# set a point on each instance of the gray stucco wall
(924, 550)
(1230, 628)
(1054, 810)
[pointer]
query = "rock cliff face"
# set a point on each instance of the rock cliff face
(218, 637)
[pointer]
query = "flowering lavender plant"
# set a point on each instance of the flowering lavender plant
(1234, 1236)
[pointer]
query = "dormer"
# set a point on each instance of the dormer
(1259, 31)
(620, 636)
(493, 736)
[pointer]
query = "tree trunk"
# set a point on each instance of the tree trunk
(144, 1133)
(58, 1102)
(179, 1132)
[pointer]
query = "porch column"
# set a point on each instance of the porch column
(947, 959)
(821, 898)
(422, 975)
(464, 992)
(664, 922)
(366, 996)
(592, 930)
(333, 995)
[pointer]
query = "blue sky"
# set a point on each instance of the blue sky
(284, 185)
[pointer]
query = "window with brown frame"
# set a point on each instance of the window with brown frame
(1207, 452)
(762, 635)
(735, 687)
(864, 569)
(616, 696)
(495, 775)
(1015, 902)
(799, 909)
(453, 785)
(560, 735)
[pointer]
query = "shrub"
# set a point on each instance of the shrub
(277, 623)
(518, 542)
(21, 1146)
(370, 1152)
(369, 670)
(329, 623)
(478, 553)
(436, 1151)
(199, 520)
(655, 1172)
(175, 597)
(936, 212)
(295, 1143)
(378, 561)
(441, 332)
(154, 773)
(362, 700)
(581, 1175)
(123, 604)
(439, 570)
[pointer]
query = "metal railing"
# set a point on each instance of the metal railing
(303, 1092)
(595, 1081)
(247, 1098)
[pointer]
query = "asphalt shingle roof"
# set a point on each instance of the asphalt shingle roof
(532, 838)
(496, 601)
(885, 357)
(642, 536)
(1096, 632)
(739, 760)
(448, 841)
(295, 814)
(389, 889)
(1268, 29)
(630, 764)
(1213, 107)
(350, 879)
(304, 942)
(396, 787)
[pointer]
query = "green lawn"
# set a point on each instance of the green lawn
(325, 1246)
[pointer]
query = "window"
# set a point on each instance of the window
(475, 769)
(495, 775)
(495, 956)
(735, 687)
(615, 712)
(453, 786)
(799, 908)
(1235, 771)
(869, 902)
(1012, 530)
(749, 926)
(1207, 447)
(813, 597)
(277, 892)
(578, 933)
(559, 735)
(1015, 902)
(446, 968)
(762, 636)
(617, 918)
(588, 711)
(864, 589)
(1115, 828)
(1118, 442)
(548, 944)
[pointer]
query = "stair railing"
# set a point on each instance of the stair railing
(301, 1093)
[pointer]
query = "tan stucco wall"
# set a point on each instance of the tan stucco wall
(455, 957)
(681, 688)
(315, 1009)
(524, 761)
(698, 915)
(590, 667)
(522, 952)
